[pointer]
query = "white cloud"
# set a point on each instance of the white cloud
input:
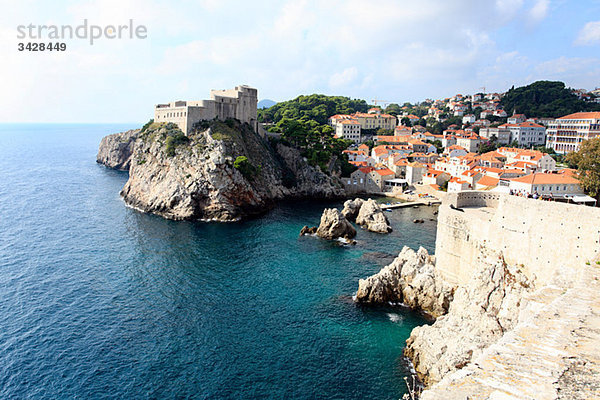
(343, 78)
(399, 51)
(539, 10)
(589, 34)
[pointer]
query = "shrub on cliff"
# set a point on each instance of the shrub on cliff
(246, 168)
(147, 125)
(174, 139)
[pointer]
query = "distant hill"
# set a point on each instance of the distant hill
(266, 103)
(544, 99)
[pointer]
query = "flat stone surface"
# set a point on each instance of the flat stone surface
(553, 353)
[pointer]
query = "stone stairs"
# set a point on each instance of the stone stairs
(552, 353)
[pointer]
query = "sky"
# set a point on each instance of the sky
(391, 50)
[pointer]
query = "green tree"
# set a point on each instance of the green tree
(405, 121)
(393, 109)
(587, 160)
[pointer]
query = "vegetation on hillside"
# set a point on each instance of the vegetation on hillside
(587, 162)
(246, 168)
(302, 123)
(545, 99)
(315, 107)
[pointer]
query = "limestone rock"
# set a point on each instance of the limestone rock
(351, 208)
(333, 225)
(410, 279)
(194, 177)
(306, 230)
(372, 217)
(115, 150)
(480, 313)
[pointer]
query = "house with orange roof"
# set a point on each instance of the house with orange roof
(358, 180)
(391, 139)
(458, 185)
(546, 184)
(356, 155)
(565, 134)
(375, 120)
(348, 129)
(486, 183)
(471, 176)
(380, 176)
(399, 167)
(543, 161)
(435, 177)
(470, 142)
(516, 118)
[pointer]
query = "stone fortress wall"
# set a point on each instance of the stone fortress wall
(505, 337)
(239, 103)
(543, 238)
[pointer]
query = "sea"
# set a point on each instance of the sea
(100, 301)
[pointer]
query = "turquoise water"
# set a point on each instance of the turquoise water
(100, 301)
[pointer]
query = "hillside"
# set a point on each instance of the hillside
(544, 99)
(221, 171)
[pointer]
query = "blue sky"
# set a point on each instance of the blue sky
(392, 50)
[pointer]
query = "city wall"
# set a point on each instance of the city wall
(543, 238)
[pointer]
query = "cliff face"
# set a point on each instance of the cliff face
(115, 150)
(222, 172)
(524, 309)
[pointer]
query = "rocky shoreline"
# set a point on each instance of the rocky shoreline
(223, 171)
(497, 332)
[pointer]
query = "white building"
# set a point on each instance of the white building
(348, 129)
(502, 134)
(239, 103)
(566, 133)
(546, 184)
(526, 133)
(468, 119)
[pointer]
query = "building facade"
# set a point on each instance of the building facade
(565, 134)
(239, 103)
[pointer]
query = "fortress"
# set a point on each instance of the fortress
(544, 237)
(239, 103)
(547, 282)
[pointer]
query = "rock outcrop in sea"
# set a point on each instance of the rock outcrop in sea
(351, 208)
(115, 150)
(372, 218)
(222, 171)
(411, 280)
(334, 225)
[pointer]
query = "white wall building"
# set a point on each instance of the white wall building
(566, 133)
(239, 103)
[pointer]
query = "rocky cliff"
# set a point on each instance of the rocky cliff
(519, 324)
(115, 150)
(411, 280)
(222, 171)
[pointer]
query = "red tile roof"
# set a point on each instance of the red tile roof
(583, 115)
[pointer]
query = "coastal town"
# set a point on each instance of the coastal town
(456, 144)
(405, 157)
